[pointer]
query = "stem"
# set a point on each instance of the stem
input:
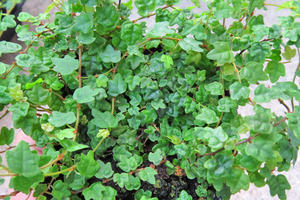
(280, 121)
(8, 174)
(294, 79)
(119, 6)
(237, 72)
(99, 144)
(206, 25)
(113, 105)
(62, 171)
(5, 113)
(32, 145)
(11, 68)
(79, 86)
(59, 157)
(285, 105)
(279, 6)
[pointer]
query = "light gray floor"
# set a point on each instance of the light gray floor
(34, 7)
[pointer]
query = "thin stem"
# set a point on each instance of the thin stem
(279, 6)
(285, 105)
(11, 68)
(59, 157)
(11, 147)
(62, 171)
(237, 72)
(113, 105)
(207, 21)
(8, 174)
(99, 144)
(5, 113)
(119, 5)
(294, 79)
(280, 121)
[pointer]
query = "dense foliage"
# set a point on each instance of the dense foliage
(119, 107)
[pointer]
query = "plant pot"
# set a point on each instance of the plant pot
(10, 32)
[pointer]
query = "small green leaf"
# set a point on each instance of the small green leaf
(116, 86)
(278, 185)
(177, 17)
(190, 44)
(104, 120)
(236, 29)
(222, 53)
(223, 10)
(85, 94)
(104, 171)
(65, 133)
(156, 157)
(110, 55)
(197, 3)
(131, 32)
(22, 161)
(19, 110)
(215, 88)
(83, 23)
(147, 174)
(275, 70)
(289, 53)
(60, 190)
(7, 22)
(97, 191)
(23, 184)
(168, 61)
(6, 136)
(208, 115)
(260, 50)
(9, 47)
(215, 137)
(184, 196)
(66, 65)
(160, 29)
(145, 7)
(226, 104)
(220, 166)
(59, 119)
(240, 181)
(150, 115)
(260, 149)
(71, 145)
(87, 165)
(239, 91)
(253, 72)
(38, 95)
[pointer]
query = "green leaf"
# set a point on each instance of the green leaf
(263, 94)
(275, 70)
(223, 10)
(39, 95)
(261, 121)
(19, 110)
(208, 115)
(87, 165)
(260, 149)
(257, 179)
(104, 120)
(220, 166)
(260, 50)
(23, 184)
(145, 7)
(240, 181)
(278, 185)
(135, 98)
(110, 55)
(7, 22)
(184, 196)
(83, 23)
(6, 136)
(85, 94)
(177, 17)
(147, 174)
(189, 104)
(168, 61)
(71, 145)
(59, 119)
(128, 164)
(66, 65)
(22, 161)
(5, 98)
(197, 3)
(116, 86)
(16, 92)
(90, 3)
(86, 38)
(157, 104)
(160, 29)
(134, 183)
(97, 191)
(215, 88)
(222, 53)
(239, 91)
(9, 47)
(190, 44)
(156, 157)
(150, 115)
(131, 32)
(215, 137)
(65, 133)
(250, 163)
(289, 53)
(226, 104)
(107, 18)
(60, 190)
(121, 179)
(236, 29)
(255, 4)
(102, 80)
(253, 72)
(104, 171)
(294, 121)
